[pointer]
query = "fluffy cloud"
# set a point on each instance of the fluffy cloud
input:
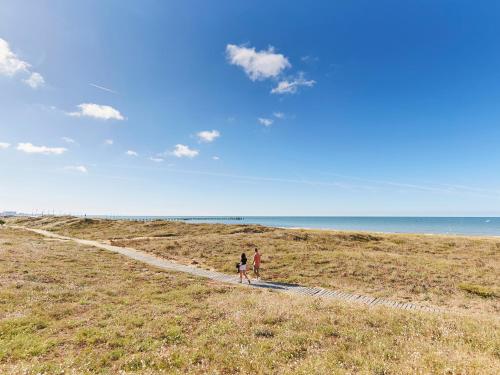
(208, 135)
(102, 112)
(77, 168)
(156, 159)
(183, 151)
(258, 65)
(68, 140)
(132, 153)
(108, 142)
(4, 145)
(11, 64)
(35, 80)
(279, 115)
(215, 158)
(265, 121)
(291, 87)
(32, 149)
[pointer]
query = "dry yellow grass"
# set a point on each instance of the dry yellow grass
(75, 309)
(449, 271)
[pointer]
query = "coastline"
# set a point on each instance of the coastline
(445, 270)
(469, 236)
(447, 226)
(463, 227)
(124, 314)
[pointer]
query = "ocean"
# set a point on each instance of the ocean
(475, 226)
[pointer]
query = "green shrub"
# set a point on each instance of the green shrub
(479, 290)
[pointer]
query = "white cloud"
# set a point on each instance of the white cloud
(291, 87)
(182, 151)
(258, 65)
(131, 153)
(279, 115)
(4, 145)
(215, 158)
(35, 80)
(68, 140)
(77, 168)
(156, 159)
(11, 64)
(32, 149)
(265, 121)
(208, 135)
(108, 142)
(103, 112)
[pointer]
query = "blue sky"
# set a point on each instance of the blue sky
(250, 108)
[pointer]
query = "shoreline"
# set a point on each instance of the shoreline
(459, 226)
(134, 311)
(461, 235)
(442, 269)
(242, 221)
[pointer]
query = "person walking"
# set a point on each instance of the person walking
(243, 268)
(256, 263)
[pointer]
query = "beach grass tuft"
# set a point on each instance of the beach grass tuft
(479, 290)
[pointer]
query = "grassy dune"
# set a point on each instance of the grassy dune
(449, 271)
(67, 307)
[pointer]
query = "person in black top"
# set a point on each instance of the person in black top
(243, 268)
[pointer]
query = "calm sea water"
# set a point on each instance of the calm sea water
(477, 226)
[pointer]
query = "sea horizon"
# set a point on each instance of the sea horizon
(447, 225)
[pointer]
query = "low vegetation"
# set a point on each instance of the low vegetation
(420, 268)
(68, 308)
(479, 290)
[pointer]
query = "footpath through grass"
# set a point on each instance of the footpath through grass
(455, 272)
(67, 307)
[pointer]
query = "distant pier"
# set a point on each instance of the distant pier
(216, 218)
(180, 218)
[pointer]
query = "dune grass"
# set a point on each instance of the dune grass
(425, 269)
(69, 308)
(479, 290)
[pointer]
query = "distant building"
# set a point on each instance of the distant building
(8, 213)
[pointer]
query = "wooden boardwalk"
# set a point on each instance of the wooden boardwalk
(234, 279)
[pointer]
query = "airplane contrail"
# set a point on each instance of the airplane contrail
(102, 88)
